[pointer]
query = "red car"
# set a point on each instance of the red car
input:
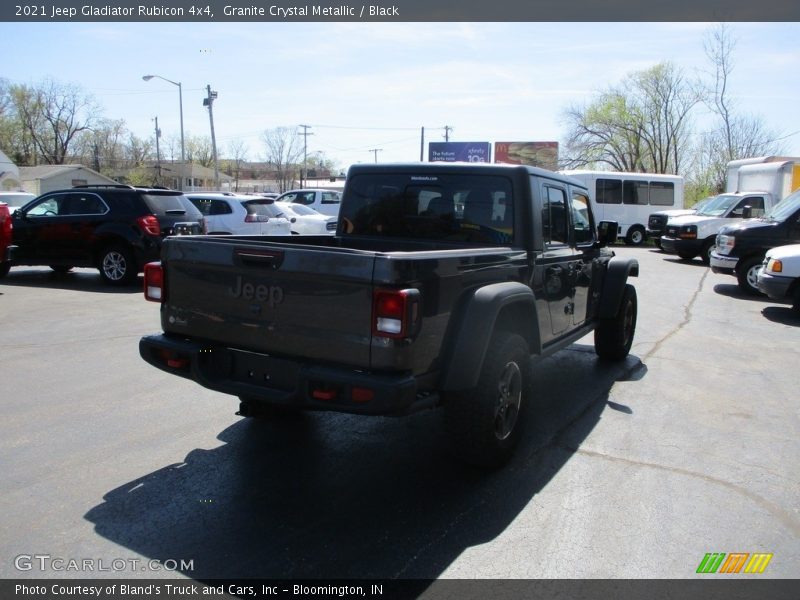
(5, 237)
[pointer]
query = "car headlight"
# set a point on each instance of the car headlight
(688, 232)
(725, 243)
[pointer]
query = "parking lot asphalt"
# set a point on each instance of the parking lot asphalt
(634, 470)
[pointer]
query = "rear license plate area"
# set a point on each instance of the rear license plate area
(264, 370)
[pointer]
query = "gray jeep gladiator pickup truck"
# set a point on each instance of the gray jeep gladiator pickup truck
(442, 284)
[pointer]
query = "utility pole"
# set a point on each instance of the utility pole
(158, 155)
(209, 102)
(422, 146)
(305, 135)
(375, 152)
(447, 130)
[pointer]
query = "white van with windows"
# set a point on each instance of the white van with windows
(629, 198)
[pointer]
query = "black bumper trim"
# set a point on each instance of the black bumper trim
(279, 381)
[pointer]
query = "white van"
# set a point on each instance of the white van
(629, 198)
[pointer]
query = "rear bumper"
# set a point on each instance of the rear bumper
(281, 381)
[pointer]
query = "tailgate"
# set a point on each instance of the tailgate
(287, 300)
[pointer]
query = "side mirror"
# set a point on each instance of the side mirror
(607, 232)
(747, 212)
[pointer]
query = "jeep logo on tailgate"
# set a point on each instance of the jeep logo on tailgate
(271, 294)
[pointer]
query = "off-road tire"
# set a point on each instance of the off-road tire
(747, 275)
(483, 425)
(684, 255)
(613, 337)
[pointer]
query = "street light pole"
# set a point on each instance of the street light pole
(180, 100)
(209, 103)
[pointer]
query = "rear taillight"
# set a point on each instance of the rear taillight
(149, 224)
(154, 289)
(395, 313)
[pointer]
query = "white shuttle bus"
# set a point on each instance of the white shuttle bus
(629, 198)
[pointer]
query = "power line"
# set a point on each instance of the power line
(373, 128)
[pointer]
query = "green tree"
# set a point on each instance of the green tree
(52, 114)
(642, 124)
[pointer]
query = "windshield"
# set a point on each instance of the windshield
(718, 205)
(785, 208)
(701, 204)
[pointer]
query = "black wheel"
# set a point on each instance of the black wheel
(747, 275)
(61, 268)
(251, 407)
(613, 337)
(705, 253)
(117, 265)
(686, 255)
(483, 425)
(796, 299)
(5, 267)
(657, 242)
(636, 236)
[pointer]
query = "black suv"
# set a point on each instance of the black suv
(115, 228)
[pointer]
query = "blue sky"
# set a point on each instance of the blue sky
(363, 86)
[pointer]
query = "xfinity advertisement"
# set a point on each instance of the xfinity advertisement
(459, 152)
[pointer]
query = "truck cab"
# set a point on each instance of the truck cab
(690, 235)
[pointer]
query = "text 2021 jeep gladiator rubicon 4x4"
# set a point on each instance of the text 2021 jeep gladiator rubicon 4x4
(442, 283)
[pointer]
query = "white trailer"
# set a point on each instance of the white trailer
(776, 178)
(760, 171)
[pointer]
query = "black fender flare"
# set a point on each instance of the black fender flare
(476, 323)
(617, 273)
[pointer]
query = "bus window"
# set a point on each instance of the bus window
(662, 193)
(609, 191)
(635, 192)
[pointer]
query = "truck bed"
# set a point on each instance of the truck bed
(312, 296)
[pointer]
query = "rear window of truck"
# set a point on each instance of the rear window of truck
(455, 208)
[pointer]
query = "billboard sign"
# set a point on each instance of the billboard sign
(459, 152)
(535, 154)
